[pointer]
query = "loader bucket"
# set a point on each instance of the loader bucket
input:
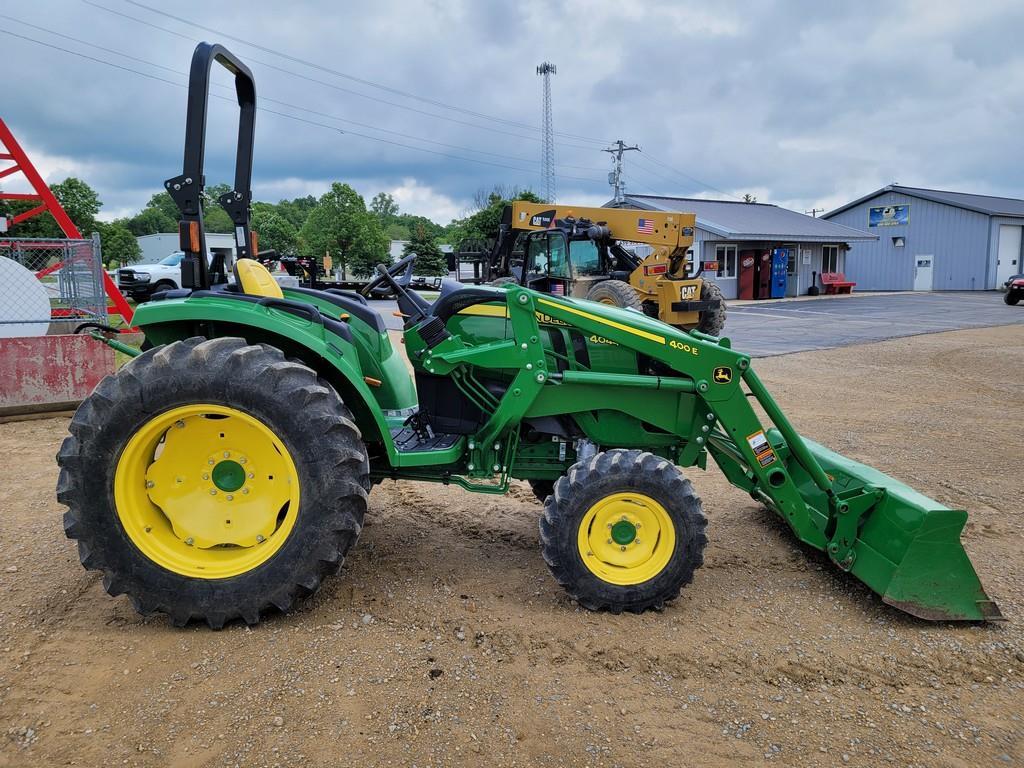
(907, 545)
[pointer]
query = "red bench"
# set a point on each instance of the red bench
(836, 282)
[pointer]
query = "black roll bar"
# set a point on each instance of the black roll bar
(187, 189)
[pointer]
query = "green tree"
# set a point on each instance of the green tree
(481, 227)
(341, 225)
(118, 244)
(275, 231)
(383, 206)
(430, 258)
(77, 198)
(296, 211)
(150, 221)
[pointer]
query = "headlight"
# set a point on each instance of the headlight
(143, 276)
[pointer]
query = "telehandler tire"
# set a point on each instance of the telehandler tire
(213, 480)
(623, 531)
(617, 293)
(501, 282)
(712, 321)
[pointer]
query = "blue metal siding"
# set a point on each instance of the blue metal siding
(957, 238)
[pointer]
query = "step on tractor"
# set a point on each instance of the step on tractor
(224, 472)
(579, 252)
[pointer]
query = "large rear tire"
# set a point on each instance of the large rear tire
(623, 531)
(616, 293)
(712, 321)
(213, 480)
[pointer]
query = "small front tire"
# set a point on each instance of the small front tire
(623, 531)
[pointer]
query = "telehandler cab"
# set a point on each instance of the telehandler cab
(224, 472)
(574, 251)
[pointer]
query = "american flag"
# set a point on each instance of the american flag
(645, 226)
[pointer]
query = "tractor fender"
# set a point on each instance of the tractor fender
(330, 355)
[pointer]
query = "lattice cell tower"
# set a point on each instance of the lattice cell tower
(547, 157)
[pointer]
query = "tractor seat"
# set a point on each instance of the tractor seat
(253, 279)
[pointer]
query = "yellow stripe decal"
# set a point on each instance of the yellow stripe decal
(485, 310)
(612, 323)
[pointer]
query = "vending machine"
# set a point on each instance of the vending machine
(780, 264)
(763, 276)
(745, 283)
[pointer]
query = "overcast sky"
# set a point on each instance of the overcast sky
(799, 103)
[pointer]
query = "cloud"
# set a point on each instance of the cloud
(801, 104)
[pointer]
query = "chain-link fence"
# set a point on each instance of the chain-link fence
(61, 280)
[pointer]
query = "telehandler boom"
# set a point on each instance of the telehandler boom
(577, 251)
(225, 471)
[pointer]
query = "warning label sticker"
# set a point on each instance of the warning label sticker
(761, 447)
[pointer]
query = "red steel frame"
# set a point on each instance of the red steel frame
(50, 203)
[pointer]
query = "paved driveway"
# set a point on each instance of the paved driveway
(781, 327)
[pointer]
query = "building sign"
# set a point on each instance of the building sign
(889, 216)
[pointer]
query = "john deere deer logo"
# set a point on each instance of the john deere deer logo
(723, 375)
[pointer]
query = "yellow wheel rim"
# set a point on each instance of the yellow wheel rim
(626, 538)
(206, 491)
(610, 302)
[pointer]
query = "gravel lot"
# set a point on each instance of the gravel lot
(446, 642)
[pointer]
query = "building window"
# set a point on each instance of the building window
(725, 255)
(830, 258)
(791, 256)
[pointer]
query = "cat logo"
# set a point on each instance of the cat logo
(723, 374)
(687, 292)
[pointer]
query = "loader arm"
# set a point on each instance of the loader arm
(901, 544)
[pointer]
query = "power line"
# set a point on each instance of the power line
(284, 114)
(693, 179)
(353, 78)
(293, 106)
(335, 86)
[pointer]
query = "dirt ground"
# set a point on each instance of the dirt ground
(445, 641)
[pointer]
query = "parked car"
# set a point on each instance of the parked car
(143, 280)
(1014, 289)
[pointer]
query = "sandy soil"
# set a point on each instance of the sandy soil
(446, 642)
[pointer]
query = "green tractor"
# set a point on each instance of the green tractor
(224, 471)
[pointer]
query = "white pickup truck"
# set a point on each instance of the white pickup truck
(143, 280)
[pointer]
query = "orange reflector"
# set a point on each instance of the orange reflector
(372, 381)
(655, 269)
(188, 236)
(254, 239)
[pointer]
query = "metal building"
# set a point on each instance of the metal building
(156, 247)
(727, 231)
(932, 240)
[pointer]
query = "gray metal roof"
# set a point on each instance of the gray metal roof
(993, 206)
(749, 221)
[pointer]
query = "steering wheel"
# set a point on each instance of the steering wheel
(387, 276)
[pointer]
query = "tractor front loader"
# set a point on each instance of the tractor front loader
(225, 471)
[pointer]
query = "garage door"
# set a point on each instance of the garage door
(1009, 253)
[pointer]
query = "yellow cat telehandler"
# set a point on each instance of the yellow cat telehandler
(576, 251)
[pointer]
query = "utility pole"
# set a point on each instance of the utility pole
(815, 211)
(615, 177)
(547, 157)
